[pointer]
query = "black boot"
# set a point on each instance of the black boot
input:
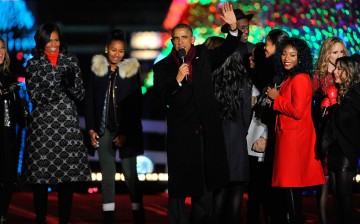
(139, 216)
(2, 219)
(109, 217)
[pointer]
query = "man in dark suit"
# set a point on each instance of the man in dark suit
(195, 145)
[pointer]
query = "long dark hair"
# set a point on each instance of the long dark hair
(277, 37)
(305, 58)
(230, 82)
(351, 66)
(264, 70)
(42, 37)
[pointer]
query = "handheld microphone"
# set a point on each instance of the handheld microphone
(182, 53)
(324, 112)
(276, 83)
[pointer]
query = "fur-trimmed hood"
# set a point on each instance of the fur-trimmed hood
(127, 68)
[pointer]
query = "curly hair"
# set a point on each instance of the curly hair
(230, 82)
(349, 65)
(305, 58)
(6, 63)
(325, 51)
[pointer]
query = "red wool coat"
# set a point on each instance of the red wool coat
(295, 162)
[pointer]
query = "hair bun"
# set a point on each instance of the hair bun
(116, 35)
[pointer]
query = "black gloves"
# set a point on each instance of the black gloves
(13, 88)
(68, 77)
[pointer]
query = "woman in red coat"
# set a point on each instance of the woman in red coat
(295, 164)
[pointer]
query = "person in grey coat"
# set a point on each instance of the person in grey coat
(56, 155)
(233, 92)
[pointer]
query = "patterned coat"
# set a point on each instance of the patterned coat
(55, 149)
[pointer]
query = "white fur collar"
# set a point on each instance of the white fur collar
(127, 68)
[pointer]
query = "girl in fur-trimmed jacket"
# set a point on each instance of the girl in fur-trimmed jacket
(113, 121)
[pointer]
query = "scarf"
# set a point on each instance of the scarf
(188, 58)
(53, 57)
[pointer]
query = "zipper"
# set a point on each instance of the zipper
(108, 98)
(113, 98)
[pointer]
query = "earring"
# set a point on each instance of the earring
(106, 50)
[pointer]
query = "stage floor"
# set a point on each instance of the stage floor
(87, 209)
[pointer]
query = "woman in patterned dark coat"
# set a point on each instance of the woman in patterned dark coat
(56, 154)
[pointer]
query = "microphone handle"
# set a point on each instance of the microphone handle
(324, 112)
(183, 61)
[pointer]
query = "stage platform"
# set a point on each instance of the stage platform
(87, 209)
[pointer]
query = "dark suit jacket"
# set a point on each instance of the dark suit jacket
(192, 112)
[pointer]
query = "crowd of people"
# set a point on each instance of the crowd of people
(241, 117)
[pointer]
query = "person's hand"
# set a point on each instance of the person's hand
(68, 77)
(119, 141)
(252, 62)
(228, 15)
(325, 103)
(332, 93)
(272, 93)
(259, 145)
(94, 138)
(182, 72)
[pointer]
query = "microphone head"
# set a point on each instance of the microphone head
(181, 52)
(276, 80)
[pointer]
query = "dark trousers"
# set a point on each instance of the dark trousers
(294, 205)
(9, 156)
(201, 210)
(6, 192)
(262, 197)
(65, 196)
(201, 206)
(259, 191)
(341, 186)
(228, 203)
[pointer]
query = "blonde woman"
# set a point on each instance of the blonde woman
(331, 49)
